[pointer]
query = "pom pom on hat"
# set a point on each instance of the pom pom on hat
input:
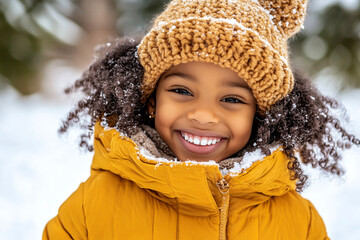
(287, 15)
(245, 36)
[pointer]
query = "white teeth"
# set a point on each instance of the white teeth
(203, 141)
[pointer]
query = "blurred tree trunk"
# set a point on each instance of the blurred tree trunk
(98, 18)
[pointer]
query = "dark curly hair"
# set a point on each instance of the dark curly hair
(303, 123)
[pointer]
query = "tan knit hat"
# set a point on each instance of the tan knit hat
(246, 36)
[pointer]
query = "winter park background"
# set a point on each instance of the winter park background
(44, 47)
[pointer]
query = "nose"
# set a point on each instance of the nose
(203, 114)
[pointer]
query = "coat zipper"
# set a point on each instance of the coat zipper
(223, 187)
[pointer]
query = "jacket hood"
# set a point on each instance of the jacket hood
(188, 185)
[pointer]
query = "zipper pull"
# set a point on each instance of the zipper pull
(223, 186)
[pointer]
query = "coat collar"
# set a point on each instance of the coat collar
(188, 185)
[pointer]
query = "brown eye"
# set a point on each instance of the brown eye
(232, 100)
(181, 91)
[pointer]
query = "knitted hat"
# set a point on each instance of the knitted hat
(246, 36)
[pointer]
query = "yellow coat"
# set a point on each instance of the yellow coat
(130, 197)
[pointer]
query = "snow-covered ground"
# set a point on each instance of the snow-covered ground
(39, 170)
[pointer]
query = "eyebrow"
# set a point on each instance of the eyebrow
(237, 84)
(182, 75)
(226, 83)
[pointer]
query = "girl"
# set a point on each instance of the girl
(201, 130)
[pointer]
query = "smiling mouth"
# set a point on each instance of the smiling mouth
(197, 144)
(200, 140)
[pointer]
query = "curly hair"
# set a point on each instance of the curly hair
(303, 123)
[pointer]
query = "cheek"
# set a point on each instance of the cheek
(165, 116)
(242, 128)
(162, 122)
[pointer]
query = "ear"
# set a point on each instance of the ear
(151, 105)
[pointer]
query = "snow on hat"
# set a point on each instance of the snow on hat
(246, 36)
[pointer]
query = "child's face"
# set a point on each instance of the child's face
(203, 112)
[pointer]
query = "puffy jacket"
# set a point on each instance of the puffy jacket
(129, 196)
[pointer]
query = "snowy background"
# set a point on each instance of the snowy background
(39, 169)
